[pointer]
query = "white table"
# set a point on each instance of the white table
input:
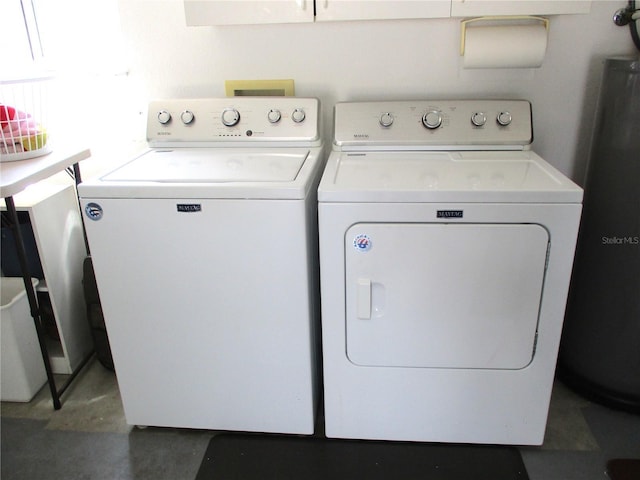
(15, 177)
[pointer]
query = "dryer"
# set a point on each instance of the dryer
(446, 248)
(205, 255)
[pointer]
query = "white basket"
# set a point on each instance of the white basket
(23, 118)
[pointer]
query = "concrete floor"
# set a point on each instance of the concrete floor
(89, 438)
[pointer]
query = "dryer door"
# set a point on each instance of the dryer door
(443, 295)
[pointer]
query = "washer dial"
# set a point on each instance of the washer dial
(164, 117)
(187, 117)
(432, 119)
(230, 117)
(298, 115)
(274, 116)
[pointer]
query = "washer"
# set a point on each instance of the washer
(446, 248)
(205, 255)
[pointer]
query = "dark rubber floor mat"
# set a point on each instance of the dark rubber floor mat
(279, 457)
(624, 469)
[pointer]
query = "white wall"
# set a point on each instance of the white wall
(407, 59)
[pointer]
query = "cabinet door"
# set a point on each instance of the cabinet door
(331, 10)
(471, 8)
(239, 12)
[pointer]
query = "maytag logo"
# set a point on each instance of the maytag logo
(449, 213)
(360, 135)
(189, 207)
(94, 211)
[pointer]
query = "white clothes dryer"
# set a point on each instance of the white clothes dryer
(205, 255)
(446, 248)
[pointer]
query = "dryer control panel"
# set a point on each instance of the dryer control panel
(434, 125)
(234, 119)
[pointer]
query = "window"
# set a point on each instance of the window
(81, 44)
(19, 30)
(79, 36)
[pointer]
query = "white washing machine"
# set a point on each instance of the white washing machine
(446, 247)
(205, 255)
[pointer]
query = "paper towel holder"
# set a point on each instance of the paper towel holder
(463, 24)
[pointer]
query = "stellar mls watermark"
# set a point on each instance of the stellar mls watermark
(629, 240)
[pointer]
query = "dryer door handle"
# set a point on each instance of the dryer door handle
(364, 298)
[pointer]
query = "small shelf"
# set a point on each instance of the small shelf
(59, 365)
(58, 231)
(42, 286)
(51, 208)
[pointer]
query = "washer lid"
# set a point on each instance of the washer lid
(206, 165)
(444, 177)
(207, 172)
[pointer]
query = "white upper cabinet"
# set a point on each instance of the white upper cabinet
(336, 10)
(246, 12)
(476, 8)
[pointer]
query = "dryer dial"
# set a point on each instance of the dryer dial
(386, 119)
(432, 119)
(504, 118)
(478, 119)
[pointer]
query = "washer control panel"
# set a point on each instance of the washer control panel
(441, 124)
(234, 119)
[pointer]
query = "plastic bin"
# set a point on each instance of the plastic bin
(22, 369)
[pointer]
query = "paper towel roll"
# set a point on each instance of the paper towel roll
(505, 46)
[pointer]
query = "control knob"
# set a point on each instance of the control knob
(164, 117)
(274, 116)
(230, 117)
(187, 117)
(386, 119)
(504, 118)
(432, 119)
(298, 115)
(478, 119)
